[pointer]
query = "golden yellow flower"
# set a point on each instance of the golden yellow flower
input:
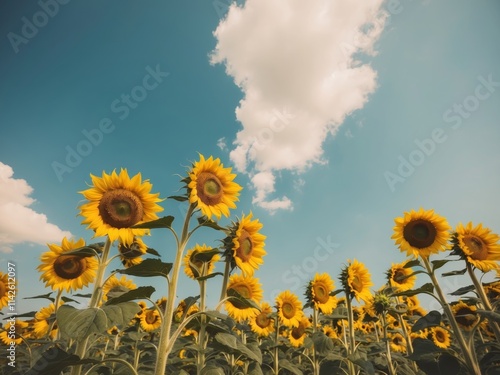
(70, 272)
(131, 255)
(421, 233)
(211, 187)
(150, 320)
(248, 245)
(262, 324)
(318, 293)
(399, 277)
(162, 303)
(330, 332)
(248, 287)
(479, 246)
(5, 286)
(289, 309)
(356, 281)
(465, 315)
(117, 202)
(114, 287)
(13, 332)
(43, 320)
(398, 342)
(298, 334)
(441, 337)
(194, 267)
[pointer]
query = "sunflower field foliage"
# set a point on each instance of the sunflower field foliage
(340, 325)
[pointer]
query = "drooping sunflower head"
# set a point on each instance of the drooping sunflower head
(70, 272)
(478, 246)
(115, 287)
(211, 187)
(441, 337)
(381, 302)
(150, 320)
(401, 278)
(247, 244)
(465, 315)
(356, 281)
(289, 309)
(298, 334)
(117, 202)
(131, 254)
(262, 323)
(421, 233)
(247, 287)
(200, 261)
(5, 286)
(318, 293)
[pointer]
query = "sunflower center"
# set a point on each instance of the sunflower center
(70, 266)
(477, 246)
(244, 292)
(209, 188)
(288, 310)
(244, 252)
(399, 276)
(151, 317)
(262, 320)
(440, 336)
(397, 340)
(321, 294)
(120, 208)
(465, 317)
(420, 233)
(298, 332)
(130, 252)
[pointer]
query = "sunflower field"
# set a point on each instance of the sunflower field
(346, 325)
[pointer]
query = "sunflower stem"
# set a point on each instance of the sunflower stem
(315, 362)
(387, 345)
(276, 349)
(466, 352)
(203, 322)
(352, 340)
(226, 278)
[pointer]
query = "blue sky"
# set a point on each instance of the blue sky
(337, 131)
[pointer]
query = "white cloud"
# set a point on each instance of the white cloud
(221, 143)
(18, 222)
(298, 67)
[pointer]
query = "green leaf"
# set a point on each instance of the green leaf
(436, 264)
(139, 293)
(152, 252)
(454, 273)
(412, 263)
(67, 299)
(178, 198)
(227, 339)
(254, 369)
(204, 256)
(359, 358)
(423, 349)
(212, 370)
(30, 314)
(164, 222)
(87, 251)
(120, 314)
(53, 361)
(287, 365)
(201, 278)
(78, 324)
(46, 296)
(206, 222)
(463, 290)
(89, 295)
(148, 268)
(426, 288)
(432, 319)
(335, 292)
(239, 301)
(491, 315)
(322, 344)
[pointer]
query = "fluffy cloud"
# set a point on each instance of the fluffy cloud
(18, 222)
(298, 65)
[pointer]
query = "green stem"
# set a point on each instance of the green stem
(387, 345)
(352, 340)
(276, 349)
(315, 361)
(203, 322)
(409, 345)
(226, 278)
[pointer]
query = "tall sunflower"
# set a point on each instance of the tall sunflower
(262, 324)
(289, 309)
(356, 281)
(421, 233)
(248, 245)
(298, 334)
(19, 327)
(249, 288)
(211, 187)
(196, 265)
(115, 287)
(131, 254)
(318, 293)
(478, 246)
(401, 278)
(70, 272)
(441, 337)
(150, 320)
(117, 202)
(4, 290)
(465, 315)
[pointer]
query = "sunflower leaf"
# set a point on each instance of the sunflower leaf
(491, 315)
(120, 314)
(54, 360)
(423, 349)
(426, 288)
(88, 295)
(67, 299)
(178, 198)
(240, 301)
(79, 324)
(30, 314)
(47, 296)
(148, 268)
(204, 256)
(436, 264)
(206, 222)
(412, 263)
(335, 292)
(139, 293)
(432, 319)
(463, 290)
(454, 273)
(87, 251)
(287, 365)
(164, 222)
(202, 278)
(322, 344)
(152, 252)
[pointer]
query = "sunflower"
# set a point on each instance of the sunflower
(478, 246)
(248, 287)
(401, 278)
(181, 310)
(262, 324)
(13, 332)
(289, 309)
(318, 293)
(150, 320)
(130, 255)
(356, 281)
(298, 334)
(117, 202)
(115, 287)
(441, 337)
(5, 286)
(465, 315)
(43, 320)
(195, 265)
(248, 245)
(421, 233)
(398, 342)
(70, 272)
(211, 187)
(330, 332)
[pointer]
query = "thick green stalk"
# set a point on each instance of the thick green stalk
(352, 340)
(387, 345)
(203, 322)
(315, 361)
(226, 278)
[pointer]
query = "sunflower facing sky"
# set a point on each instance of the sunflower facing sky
(211, 187)
(289, 309)
(249, 288)
(131, 254)
(150, 320)
(117, 202)
(262, 324)
(421, 233)
(441, 337)
(195, 268)
(318, 293)
(356, 281)
(70, 272)
(401, 278)
(478, 246)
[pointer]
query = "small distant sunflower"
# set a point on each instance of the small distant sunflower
(6, 336)
(248, 287)
(150, 320)
(478, 246)
(194, 267)
(211, 187)
(115, 287)
(4, 290)
(421, 233)
(356, 281)
(465, 315)
(298, 334)
(399, 277)
(289, 309)
(398, 342)
(70, 272)
(441, 337)
(330, 332)
(261, 323)
(162, 303)
(318, 293)
(131, 255)
(117, 202)
(43, 320)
